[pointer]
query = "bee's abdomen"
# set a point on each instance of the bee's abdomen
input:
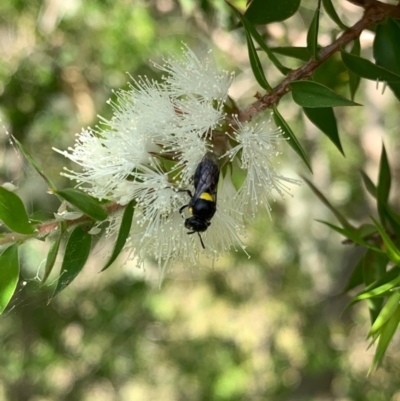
(205, 209)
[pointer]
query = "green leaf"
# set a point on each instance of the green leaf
(383, 187)
(377, 263)
(32, 161)
(84, 203)
(354, 79)
(386, 52)
(374, 269)
(312, 34)
(367, 230)
(267, 11)
(368, 70)
(253, 56)
(13, 213)
(300, 53)
(288, 133)
(392, 251)
(386, 334)
(341, 219)
(9, 275)
(386, 313)
(260, 41)
(394, 217)
(356, 277)
(378, 291)
(325, 120)
(123, 233)
(313, 94)
(256, 65)
(75, 256)
(330, 10)
(52, 254)
(371, 188)
(375, 275)
(352, 234)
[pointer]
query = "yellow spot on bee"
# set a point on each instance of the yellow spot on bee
(190, 210)
(206, 196)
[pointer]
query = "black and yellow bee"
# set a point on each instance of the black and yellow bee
(203, 203)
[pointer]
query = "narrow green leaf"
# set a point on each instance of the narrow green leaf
(313, 94)
(394, 220)
(330, 10)
(260, 41)
(341, 219)
(393, 215)
(300, 53)
(84, 203)
(352, 235)
(374, 275)
(371, 188)
(378, 291)
(356, 277)
(76, 254)
(9, 275)
(292, 140)
(312, 34)
(255, 62)
(383, 187)
(324, 118)
(354, 79)
(267, 11)
(377, 263)
(386, 313)
(52, 255)
(385, 46)
(386, 334)
(32, 161)
(374, 307)
(386, 52)
(256, 66)
(13, 213)
(368, 70)
(392, 251)
(123, 233)
(367, 230)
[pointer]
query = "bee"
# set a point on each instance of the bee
(203, 204)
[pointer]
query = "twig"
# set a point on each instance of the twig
(375, 11)
(49, 227)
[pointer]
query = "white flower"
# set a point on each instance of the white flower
(190, 75)
(150, 149)
(257, 142)
(160, 232)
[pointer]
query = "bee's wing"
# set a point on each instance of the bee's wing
(207, 176)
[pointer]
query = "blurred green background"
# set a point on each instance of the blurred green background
(270, 327)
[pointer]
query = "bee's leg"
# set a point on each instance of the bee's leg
(183, 207)
(184, 190)
(180, 190)
(201, 239)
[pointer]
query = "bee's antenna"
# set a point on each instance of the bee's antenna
(201, 240)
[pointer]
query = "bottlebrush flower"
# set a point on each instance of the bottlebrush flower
(257, 144)
(150, 149)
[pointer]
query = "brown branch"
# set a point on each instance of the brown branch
(50, 227)
(374, 12)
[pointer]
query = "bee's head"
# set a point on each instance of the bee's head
(196, 224)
